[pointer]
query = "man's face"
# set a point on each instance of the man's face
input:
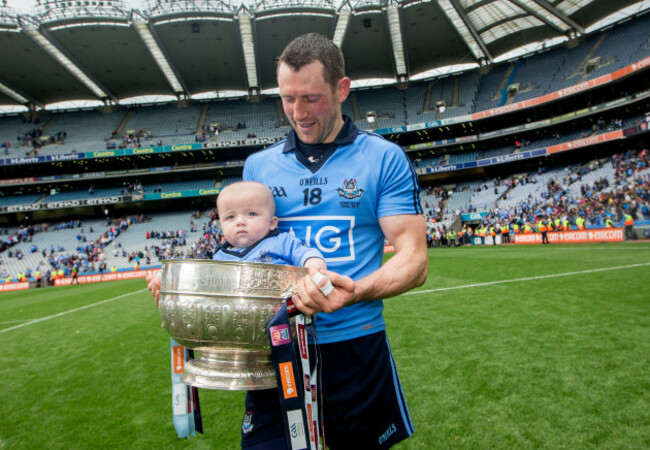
(313, 108)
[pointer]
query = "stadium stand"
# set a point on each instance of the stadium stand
(184, 234)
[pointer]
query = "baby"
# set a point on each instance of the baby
(247, 214)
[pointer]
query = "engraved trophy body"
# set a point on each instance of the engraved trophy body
(220, 310)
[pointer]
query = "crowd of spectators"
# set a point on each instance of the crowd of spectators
(600, 202)
(57, 260)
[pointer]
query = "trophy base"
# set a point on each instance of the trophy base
(241, 370)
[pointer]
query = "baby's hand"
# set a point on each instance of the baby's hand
(316, 265)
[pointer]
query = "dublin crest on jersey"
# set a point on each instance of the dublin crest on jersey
(350, 189)
(264, 257)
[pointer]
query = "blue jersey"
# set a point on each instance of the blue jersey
(335, 205)
(275, 248)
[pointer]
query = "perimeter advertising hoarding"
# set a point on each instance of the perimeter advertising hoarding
(66, 204)
(14, 286)
(179, 194)
(473, 217)
(110, 276)
(573, 237)
(591, 140)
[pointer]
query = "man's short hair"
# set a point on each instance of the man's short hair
(312, 47)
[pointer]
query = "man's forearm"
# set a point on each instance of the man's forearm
(401, 273)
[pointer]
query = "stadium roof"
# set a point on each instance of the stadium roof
(108, 50)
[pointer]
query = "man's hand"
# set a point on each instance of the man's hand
(310, 300)
(154, 285)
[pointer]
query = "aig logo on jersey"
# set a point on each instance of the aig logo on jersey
(350, 189)
(325, 233)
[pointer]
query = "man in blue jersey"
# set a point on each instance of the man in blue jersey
(341, 191)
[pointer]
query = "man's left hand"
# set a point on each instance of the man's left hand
(310, 300)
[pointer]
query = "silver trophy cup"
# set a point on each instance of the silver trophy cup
(220, 310)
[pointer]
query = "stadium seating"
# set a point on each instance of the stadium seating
(86, 130)
(173, 125)
(19, 199)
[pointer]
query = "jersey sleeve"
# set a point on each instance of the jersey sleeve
(299, 252)
(248, 170)
(399, 192)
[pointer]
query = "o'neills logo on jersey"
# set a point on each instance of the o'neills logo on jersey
(288, 381)
(350, 189)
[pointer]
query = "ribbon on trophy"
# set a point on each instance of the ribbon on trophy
(185, 399)
(297, 384)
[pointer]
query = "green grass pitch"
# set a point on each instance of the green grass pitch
(503, 347)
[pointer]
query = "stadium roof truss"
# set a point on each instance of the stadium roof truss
(100, 49)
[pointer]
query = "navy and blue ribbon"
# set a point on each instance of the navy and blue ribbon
(186, 410)
(291, 386)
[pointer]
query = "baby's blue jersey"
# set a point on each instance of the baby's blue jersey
(336, 208)
(276, 248)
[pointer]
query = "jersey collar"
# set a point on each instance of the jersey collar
(227, 248)
(346, 136)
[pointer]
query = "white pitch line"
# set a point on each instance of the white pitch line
(541, 277)
(70, 311)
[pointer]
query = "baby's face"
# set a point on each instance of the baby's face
(246, 217)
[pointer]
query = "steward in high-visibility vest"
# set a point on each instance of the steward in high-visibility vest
(541, 227)
(492, 231)
(515, 228)
(609, 223)
(557, 224)
(527, 229)
(550, 226)
(8, 279)
(580, 222)
(505, 232)
(629, 226)
(113, 269)
(566, 226)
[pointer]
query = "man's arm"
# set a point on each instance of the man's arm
(405, 270)
(409, 266)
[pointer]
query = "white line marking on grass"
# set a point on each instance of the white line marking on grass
(541, 277)
(70, 311)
